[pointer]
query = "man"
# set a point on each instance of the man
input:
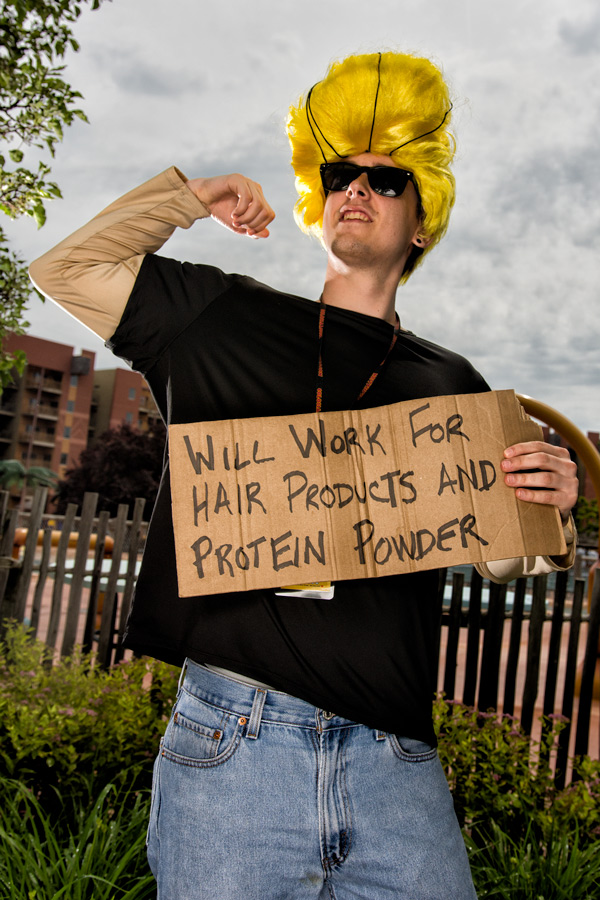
(300, 759)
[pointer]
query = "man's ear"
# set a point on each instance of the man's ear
(421, 240)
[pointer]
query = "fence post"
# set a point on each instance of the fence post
(42, 576)
(92, 610)
(514, 647)
(134, 545)
(59, 574)
(472, 660)
(560, 593)
(109, 607)
(81, 554)
(7, 563)
(586, 692)
(35, 521)
(562, 755)
(534, 645)
(458, 582)
(492, 648)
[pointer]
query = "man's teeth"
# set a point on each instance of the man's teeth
(356, 215)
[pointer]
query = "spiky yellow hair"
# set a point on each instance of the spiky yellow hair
(391, 104)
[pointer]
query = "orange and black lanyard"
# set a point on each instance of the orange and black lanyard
(370, 379)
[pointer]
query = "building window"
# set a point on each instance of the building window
(70, 405)
(63, 459)
(67, 431)
(74, 380)
(132, 393)
(129, 418)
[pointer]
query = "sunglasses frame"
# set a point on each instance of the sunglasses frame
(326, 166)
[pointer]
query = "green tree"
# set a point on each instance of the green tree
(122, 465)
(14, 474)
(586, 518)
(36, 104)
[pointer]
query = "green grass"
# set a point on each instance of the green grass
(96, 853)
(560, 870)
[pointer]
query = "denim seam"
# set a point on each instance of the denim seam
(154, 803)
(346, 801)
(329, 863)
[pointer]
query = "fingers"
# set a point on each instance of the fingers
(542, 473)
(252, 213)
(236, 202)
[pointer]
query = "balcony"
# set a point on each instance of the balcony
(47, 385)
(43, 412)
(37, 438)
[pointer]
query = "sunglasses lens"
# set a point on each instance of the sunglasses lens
(388, 181)
(338, 176)
(385, 180)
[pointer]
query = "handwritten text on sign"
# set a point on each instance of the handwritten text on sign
(267, 502)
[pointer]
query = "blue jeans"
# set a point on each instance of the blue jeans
(258, 795)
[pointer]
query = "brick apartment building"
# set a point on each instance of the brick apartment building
(121, 396)
(45, 414)
(61, 404)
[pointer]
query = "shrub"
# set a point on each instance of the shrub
(496, 774)
(74, 726)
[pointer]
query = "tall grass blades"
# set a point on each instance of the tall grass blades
(99, 856)
(505, 869)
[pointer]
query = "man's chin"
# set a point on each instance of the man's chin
(348, 248)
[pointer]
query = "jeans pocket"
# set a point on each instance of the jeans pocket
(199, 734)
(411, 749)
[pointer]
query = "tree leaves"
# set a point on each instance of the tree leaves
(120, 466)
(15, 289)
(36, 105)
(14, 474)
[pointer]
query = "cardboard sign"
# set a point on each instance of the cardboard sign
(269, 502)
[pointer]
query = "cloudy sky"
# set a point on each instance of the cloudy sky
(206, 86)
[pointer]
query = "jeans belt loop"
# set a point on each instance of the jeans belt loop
(256, 715)
(380, 735)
(182, 676)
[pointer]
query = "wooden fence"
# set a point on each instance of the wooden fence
(526, 649)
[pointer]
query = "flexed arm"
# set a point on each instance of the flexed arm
(92, 272)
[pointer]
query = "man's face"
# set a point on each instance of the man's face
(364, 229)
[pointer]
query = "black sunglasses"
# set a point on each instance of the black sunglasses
(388, 181)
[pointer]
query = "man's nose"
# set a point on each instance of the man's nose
(359, 186)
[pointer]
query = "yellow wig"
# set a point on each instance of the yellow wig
(386, 103)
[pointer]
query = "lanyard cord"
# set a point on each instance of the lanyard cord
(370, 379)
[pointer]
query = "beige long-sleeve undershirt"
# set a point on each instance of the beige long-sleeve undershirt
(92, 273)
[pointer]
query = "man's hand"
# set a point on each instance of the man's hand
(236, 202)
(554, 480)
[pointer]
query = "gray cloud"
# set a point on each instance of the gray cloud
(582, 38)
(513, 286)
(138, 76)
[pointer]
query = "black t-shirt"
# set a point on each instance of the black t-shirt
(216, 346)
